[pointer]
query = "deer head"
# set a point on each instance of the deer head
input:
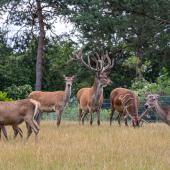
(68, 80)
(100, 64)
(151, 100)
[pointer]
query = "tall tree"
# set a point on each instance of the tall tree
(40, 49)
(139, 25)
(35, 18)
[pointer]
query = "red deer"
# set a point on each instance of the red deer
(90, 99)
(15, 112)
(153, 103)
(54, 101)
(125, 102)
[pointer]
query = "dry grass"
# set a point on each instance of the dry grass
(83, 147)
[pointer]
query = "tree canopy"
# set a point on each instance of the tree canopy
(136, 33)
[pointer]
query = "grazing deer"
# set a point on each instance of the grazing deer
(125, 102)
(153, 103)
(90, 99)
(54, 101)
(15, 112)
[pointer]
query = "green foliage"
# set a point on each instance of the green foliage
(161, 86)
(130, 62)
(19, 92)
(4, 97)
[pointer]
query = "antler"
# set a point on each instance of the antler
(102, 63)
(143, 114)
(124, 99)
(110, 63)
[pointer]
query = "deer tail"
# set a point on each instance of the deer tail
(37, 106)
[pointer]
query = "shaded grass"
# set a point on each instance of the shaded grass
(83, 147)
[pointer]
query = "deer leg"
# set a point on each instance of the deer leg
(119, 119)
(79, 115)
(82, 118)
(0, 133)
(30, 122)
(58, 114)
(91, 118)
(17, 130)
(29, 130)
(98, 117)
(4, 131)
(126, 121)
(111, 116)
(38, 117)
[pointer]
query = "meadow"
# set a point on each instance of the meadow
(74, 147)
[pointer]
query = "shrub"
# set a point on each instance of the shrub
(18, 92)
(3, 96)
(161, 86)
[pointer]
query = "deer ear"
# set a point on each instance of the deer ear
(157, 96)
(64, 76)
(73, 77)
(147, 93)
(97, 74)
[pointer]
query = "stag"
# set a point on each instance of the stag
(153, 103)
(126, 103)
(15, 112)
(90, 99)
(54, 101)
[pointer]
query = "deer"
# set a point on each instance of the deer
(90, 99)
(15, 112)
(152, 102)
(126, 103)
(54, 101)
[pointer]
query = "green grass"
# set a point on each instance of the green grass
(72, 147)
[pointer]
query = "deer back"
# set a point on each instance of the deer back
(48, 100)
(14, 111)
(121, 97)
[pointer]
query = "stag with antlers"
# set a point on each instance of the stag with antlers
(90, 99)
(153, 103)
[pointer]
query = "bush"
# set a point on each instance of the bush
(18, 92)
(3, 96)
(161, 86)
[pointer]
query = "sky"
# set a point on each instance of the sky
(61, 28)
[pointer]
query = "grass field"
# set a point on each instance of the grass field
(76, 147)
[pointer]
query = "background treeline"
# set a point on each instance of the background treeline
(136, 33)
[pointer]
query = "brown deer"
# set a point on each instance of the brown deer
(153, 103)
(126, 103)
(15, 112)
(54, 101)
(90, 99)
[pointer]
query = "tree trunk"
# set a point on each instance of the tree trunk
(139, 64)
(139, 56)
(41, 40)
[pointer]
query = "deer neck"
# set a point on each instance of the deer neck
(160, 112)
(131, 105)
(67, 94)
(97, 91)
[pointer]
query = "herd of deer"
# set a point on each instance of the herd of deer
(90, 100)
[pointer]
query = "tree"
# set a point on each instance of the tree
(139, 25)
(33, 17)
